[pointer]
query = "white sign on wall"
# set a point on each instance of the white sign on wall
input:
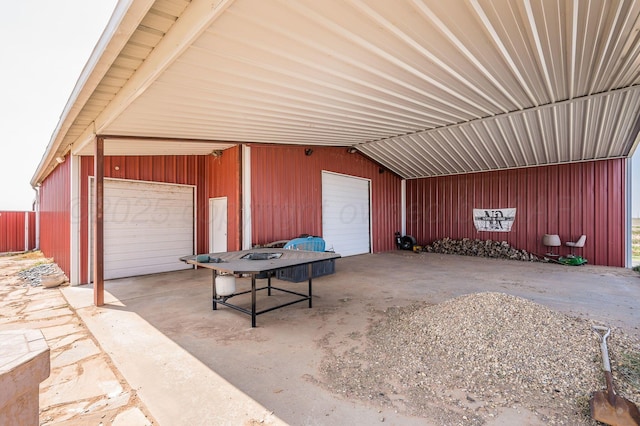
(494, 220)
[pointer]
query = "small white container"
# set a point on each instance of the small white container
(225, 285)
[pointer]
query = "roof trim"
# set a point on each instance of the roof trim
(126, 17)
(192, 23)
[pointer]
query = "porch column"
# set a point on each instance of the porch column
(403, 207)
(246, 197)
(98, 224)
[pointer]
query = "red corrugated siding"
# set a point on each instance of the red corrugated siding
(568, 200)
(169, 169)
(286, 192)
(223, 179)
(213, 177)
(12, 231)
(55, 216)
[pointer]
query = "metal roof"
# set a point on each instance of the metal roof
(424, 87)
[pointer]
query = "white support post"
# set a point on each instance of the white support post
(628, 242)
(26, 231)
(403, 206)
(74, 279)
(246, 197)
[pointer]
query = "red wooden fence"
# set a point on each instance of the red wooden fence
(17, 231)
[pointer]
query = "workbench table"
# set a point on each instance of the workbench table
(259, 263)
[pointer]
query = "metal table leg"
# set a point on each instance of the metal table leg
(213, 288)
(253, 300)
(223, 300)
(310, 275)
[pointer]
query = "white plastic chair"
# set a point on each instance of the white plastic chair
(576, 244)
(551, 241)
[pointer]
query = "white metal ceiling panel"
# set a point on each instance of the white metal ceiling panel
(425, 87)
(587, 129)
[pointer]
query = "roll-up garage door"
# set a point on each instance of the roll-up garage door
(346, 219)
(147, 227)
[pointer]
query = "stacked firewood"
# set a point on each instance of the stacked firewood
(480, 248)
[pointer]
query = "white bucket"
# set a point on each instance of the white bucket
(225, 285)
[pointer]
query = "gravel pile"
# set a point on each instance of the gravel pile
(33, 276)
(462, 361)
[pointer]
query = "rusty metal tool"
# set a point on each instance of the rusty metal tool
(606, 406)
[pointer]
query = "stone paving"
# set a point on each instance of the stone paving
(84, 387)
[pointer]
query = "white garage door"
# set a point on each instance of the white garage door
(147, 227)
(346, 220)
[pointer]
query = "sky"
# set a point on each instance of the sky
(45, 45)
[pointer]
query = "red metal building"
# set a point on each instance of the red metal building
(390, 125)
(286, 195)
(568, 200)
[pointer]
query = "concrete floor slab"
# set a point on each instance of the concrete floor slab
(192, 365)
(176, 387)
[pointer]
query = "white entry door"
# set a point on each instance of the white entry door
(217, 225)
(346, 218)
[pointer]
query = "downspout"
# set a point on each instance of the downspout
(37, 210)
(26, 231)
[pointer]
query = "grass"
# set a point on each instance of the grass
(629, 366)
(34, 254)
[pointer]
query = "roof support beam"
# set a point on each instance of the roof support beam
(124, 21)
(195, 20)
(98, 223)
